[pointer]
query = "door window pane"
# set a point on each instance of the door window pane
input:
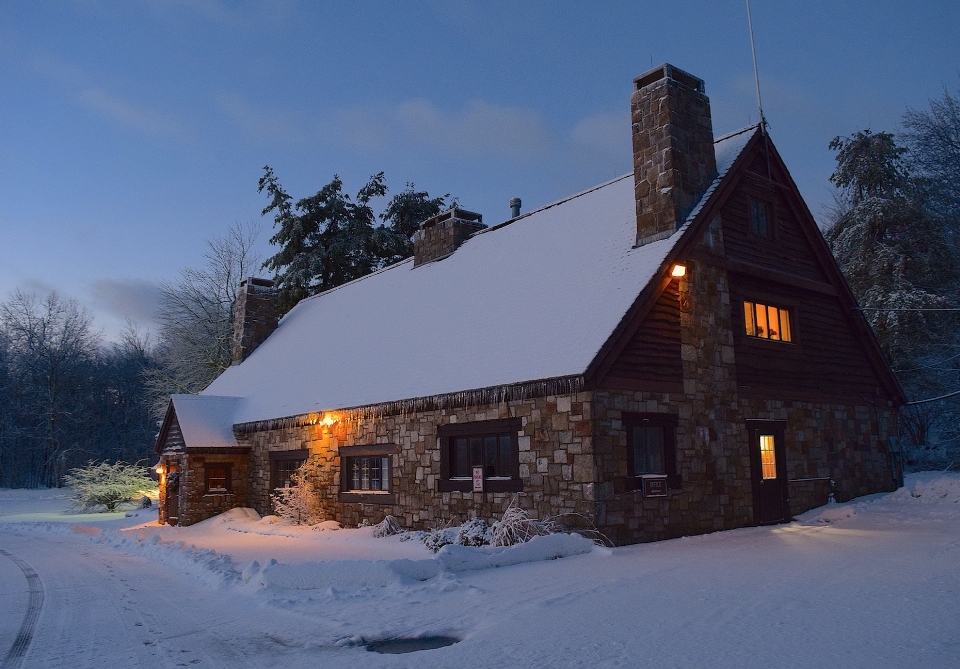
(768, 458)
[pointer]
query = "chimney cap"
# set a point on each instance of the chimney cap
(257, 281)
(668, 71)
(453, 213)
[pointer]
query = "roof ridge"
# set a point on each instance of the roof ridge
(736, 132)
(553, 204)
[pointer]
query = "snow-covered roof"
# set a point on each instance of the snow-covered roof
(534, 299)
(206, 420)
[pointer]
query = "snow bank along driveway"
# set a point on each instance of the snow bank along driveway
(871, 583)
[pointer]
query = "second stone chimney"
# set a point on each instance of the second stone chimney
(440, 236)
(673, 156)
(255, 317)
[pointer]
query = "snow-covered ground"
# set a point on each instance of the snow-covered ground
(871, 583)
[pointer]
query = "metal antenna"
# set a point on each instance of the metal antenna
(756, 76)
(756, 72)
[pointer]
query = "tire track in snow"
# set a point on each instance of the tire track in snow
(21, 644)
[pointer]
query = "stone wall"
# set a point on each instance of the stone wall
(440, 236)
(673, 154)
(555, 449)
(845, 442)
(195, 503)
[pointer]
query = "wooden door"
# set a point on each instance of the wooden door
(173, 496)
(768, 459)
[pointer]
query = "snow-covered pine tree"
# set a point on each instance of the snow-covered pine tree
(300, 503)
(890, 247)
(329, 238)
(892, 250)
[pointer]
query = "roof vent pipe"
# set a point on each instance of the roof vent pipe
(515, 207)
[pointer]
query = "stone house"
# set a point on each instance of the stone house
(673, 352)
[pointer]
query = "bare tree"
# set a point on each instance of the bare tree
(51, 352)
(196, 316)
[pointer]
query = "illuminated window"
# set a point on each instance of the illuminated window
(760, 218)
(767, 322)
(768, 460)
(368, 473)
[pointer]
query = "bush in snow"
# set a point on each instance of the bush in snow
(439, 538)
(516, 527)
(474, 532)
(387, 527)
(580, 524)
(300, 503)
(108, 485)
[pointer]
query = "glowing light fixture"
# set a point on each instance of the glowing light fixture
(678, 270)
(159, 469)
(328, 420)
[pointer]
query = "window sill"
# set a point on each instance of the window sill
(489, 485)
(367, 497)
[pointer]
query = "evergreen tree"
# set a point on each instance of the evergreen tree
(890, 247)
(329, 238)
(404, 214)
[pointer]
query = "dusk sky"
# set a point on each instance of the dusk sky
(131, 131)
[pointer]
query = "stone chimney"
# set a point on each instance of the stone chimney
(673, 157)
(255, 317)
(440, 236)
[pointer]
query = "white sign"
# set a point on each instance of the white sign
(478, 479)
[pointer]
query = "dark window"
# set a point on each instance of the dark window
(491, 444)
(647, 444)
(218, 479)
(760, 218)
(282, 466)
(367, 473)
(651, 447)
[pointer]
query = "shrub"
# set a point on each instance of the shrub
(474, 532)
(439, 538)
(300, 503)
(516, 527)
(387, 527)
(108, 485)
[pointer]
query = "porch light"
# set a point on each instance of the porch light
(159, 469)
(328, 420)
(678, 270)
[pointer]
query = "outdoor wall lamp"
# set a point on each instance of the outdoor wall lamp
(678, 271)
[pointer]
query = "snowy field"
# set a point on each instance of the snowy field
(871, 583)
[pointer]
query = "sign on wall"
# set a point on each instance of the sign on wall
(478, 479)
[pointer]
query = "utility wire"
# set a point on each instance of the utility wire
(934, 399)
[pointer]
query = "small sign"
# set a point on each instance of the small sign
(478, 479)
(654, 486)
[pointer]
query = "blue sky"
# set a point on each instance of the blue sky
(130, 131)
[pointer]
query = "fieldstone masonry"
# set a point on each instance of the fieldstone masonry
(440, 236)
(673, 154)
(556, 462)
(256, 317)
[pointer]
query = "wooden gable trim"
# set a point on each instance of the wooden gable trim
(686, 247)
(641, 307)
(168, 418)
(750, 269)
(828, 263)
